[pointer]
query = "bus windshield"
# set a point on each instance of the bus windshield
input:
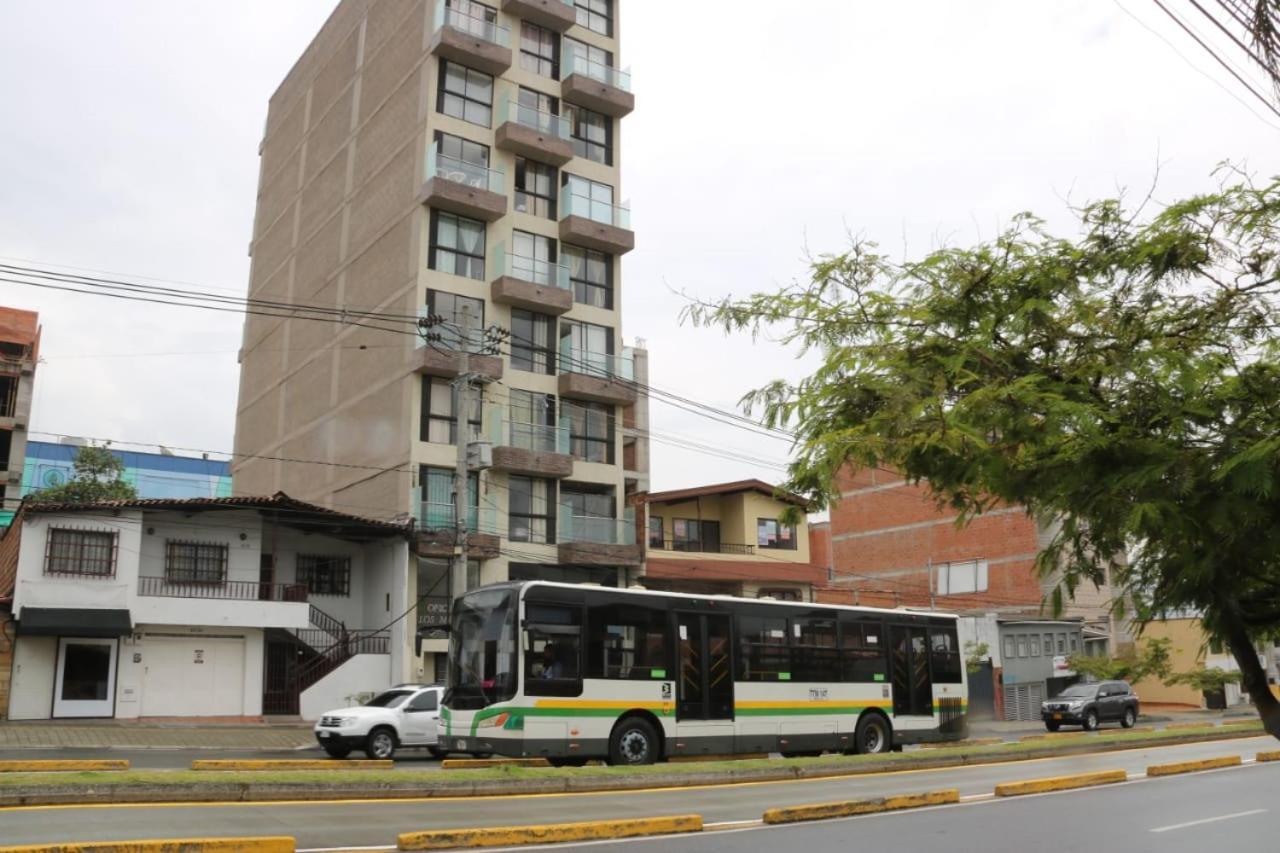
(482, 649)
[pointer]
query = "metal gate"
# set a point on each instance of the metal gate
(1022, 701)
(982, 696)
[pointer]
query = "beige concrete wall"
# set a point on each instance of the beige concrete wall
(1188, 652)
(737, 514)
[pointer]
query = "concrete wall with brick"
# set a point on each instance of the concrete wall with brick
(8, 631)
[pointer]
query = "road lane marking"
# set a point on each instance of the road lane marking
(1208, 820)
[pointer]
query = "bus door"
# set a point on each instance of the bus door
(912, 686)
(704, 689)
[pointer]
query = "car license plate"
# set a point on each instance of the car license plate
(324, 734)
(1057, 716)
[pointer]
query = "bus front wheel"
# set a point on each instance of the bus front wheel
(633, 742)
(873, 735)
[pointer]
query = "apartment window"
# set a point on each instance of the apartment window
(531, 99)
(591, 428)
(85, 553)
(656, 538)
(1075, 647)
(457, 245)
(589, 500)
(1048, 644)
(535, 188)
(771, 533)
(465, 93)
(591, 134)
(539, 50)
(533, 418)
(958, 578)
(1022, 645)
(778, 593)
(691, 534)
(590, 273)
(1035, 646)
(586, 348)
(531, 341)
(455, 312)
(462, 160)
(473, 17)
(195, 562)
(1010, 648)
(438, 510)
(325, 574)
(533, 258)
(590, 199)
(530, 516)
(1062, 644)
(439, 424)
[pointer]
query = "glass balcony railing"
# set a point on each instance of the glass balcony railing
(447, 335)
(597, 210)
(461, 172)
(537, 271)
(476, 25)
(534, 118)
(576, 63)
(439, 516)
(575, 360)
(507, 431)
(591, 529)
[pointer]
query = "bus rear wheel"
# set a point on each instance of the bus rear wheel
(633, 742)
(872, 735)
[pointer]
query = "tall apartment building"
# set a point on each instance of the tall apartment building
(461, 161)
(19, 351)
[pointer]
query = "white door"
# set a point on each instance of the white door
(192, 676)
(421, 718)
(85, 684)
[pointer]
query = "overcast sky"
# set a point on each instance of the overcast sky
(130, 133)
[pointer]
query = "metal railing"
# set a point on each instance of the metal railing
(505, 431)
(439, 516)
(575, 360)
(546, 273)
(703, 547)
(162, 587)
(462, 172)
(576, 204)
(576, 63)
(534, 118)
(595, 530)
(476, 25)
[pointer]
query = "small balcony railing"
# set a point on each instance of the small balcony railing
(507, 431)
(535, 119)
(533, 270)
(595, 530)
(575, 63)
(475, 25)
(439, 516)
(703, 547)
(462, 172)
(223, 590)
(603, 365)
(576, 204)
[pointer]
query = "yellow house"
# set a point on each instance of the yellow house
(1187, 651)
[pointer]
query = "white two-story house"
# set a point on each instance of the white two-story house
(214, 608)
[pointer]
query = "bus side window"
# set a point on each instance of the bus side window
(813, 649)
(862, 652)
(627, 641)
(764, 653)
(945, 652)
(553, 650)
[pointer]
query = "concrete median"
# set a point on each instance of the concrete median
(1060, 783)
(1193, 766)
(850, 808)
(551, 833)
(482, 763)
(290, 764)
(40, 766)
(267, 844)
(1273, 755)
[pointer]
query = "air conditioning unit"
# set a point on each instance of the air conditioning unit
(479, 455)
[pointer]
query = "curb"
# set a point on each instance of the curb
(693, 759)
(482, 763)
(1192, 766)
(290, 764)
(266, 844)
(553, 833)
(24, 766)
(1060, 783)
(1274, 755)
(848, 808)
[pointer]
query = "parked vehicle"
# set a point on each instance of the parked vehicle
(1087, 705)
(407, 715)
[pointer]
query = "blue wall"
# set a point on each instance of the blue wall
(154, 475)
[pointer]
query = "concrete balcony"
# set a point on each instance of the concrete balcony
(471, 40)
(162, 601)
(530, 284)
(596, 86)
(557, 15)
(595, 224)
(437, 531)
(532, 133)
(532, 450)
(442, 355)
(591, 541)
(466, 189)
(597, 377)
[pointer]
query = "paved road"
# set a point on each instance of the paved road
(1221, 810)
(360, 823)
(153, 758)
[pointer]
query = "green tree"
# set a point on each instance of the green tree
(1152, 659)
(1208, 680)
(98, 477)
(1123, 382)
(975, 655)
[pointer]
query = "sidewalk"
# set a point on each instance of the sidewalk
(108, 734)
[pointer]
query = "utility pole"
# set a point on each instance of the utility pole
(461, 476)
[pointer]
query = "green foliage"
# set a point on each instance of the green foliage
(98, 477)
(1205, 680)
(1151, 660)
(1123, 382)
(975, 654)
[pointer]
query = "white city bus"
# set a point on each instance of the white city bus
(572, 672)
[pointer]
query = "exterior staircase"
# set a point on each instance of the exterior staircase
(298, 658)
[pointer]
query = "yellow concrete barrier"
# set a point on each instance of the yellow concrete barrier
(290, 764)
(23, 766)
(481, 763)
(1273, 755)
(847, 808)
(1060, 783)
(1192, 766)
(552, 833)
(270, 844)
(1243, 723)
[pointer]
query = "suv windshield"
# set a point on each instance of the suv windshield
(482, 649)
(390, 699)
(1079, 691)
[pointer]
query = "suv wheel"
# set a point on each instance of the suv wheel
(1130, 717)
(381, 743)
(1091, 721)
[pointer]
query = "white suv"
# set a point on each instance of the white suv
(406, 715)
